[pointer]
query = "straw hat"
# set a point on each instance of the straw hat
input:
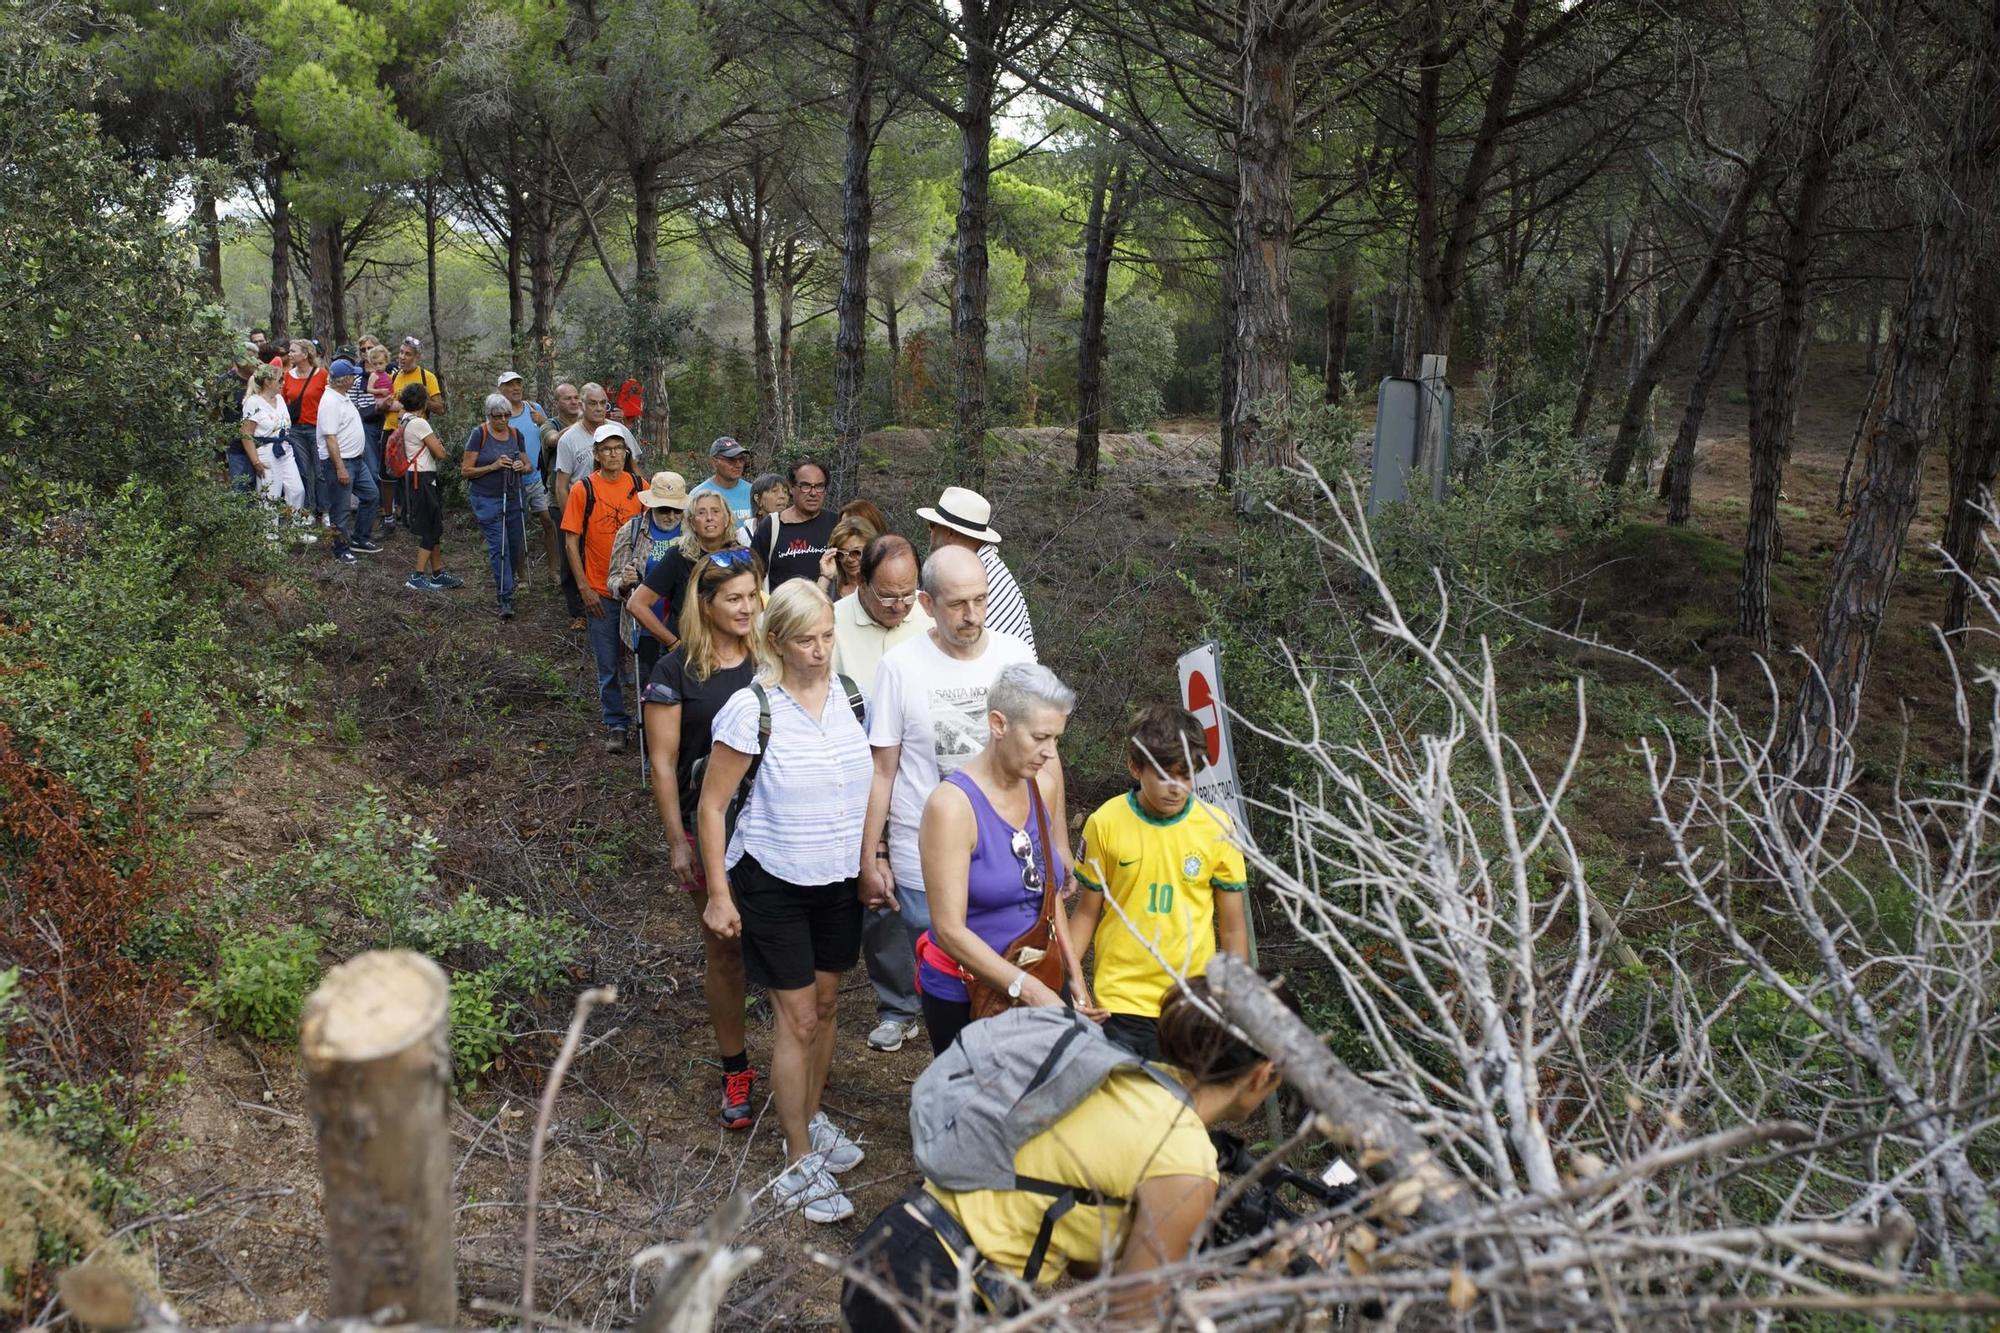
(668, 491)
(963, 511)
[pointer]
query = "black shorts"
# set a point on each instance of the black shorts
(426, 509)
(791, 931)
(1141, 1036)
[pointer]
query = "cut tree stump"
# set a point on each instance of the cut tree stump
(378, 1083)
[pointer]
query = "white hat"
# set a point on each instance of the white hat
(963, 511)
(507, 377)
(612, 430)
(668, 491)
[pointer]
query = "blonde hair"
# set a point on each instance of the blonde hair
(700, 644)
(690, 545)
(853, 526)
(793, 610)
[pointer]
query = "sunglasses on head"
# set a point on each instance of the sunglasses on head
(734, 557)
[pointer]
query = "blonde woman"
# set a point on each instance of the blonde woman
(655, 605)
(784, 882)
(840, 567)
(679, 701)
(267, 427)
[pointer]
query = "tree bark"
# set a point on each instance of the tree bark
(857, 214)
(752, 227)
(892, 330)
(324, 241)
(1226, 387)
(1339, 314)
(1617, 268)
(789, 275)
(1263, 227)
(1728, 306)
(1100, 239)
(517, 303)
(969, 293)
(1646, 374)
(1791, 338)
(1829, 700)
(378, 1086)
(648, 319)
(431, 276)
(1975, 448)
(281, 252)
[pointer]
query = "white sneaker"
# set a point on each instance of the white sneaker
(891, 1033)
(834, 1150)
(805, 1187)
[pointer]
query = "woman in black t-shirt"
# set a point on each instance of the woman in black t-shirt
(687, 689)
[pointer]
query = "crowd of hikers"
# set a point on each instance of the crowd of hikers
(855, 757)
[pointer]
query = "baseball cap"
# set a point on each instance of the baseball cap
(725, 446)
(611, 430)
(342, 366)
(508, 377)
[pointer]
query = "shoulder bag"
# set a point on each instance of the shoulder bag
(1036, 950)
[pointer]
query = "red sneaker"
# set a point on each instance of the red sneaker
(736, 1099)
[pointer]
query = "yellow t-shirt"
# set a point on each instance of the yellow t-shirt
(403, 379)
(1164, 873)
(1129, 1131)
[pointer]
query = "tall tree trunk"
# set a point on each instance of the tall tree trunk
(975, 181)
(1727, 306)
(788, 293)
(857, 216)
(1339, 314)
(542, 285)
(1100, 238)
(1975, 451)
(431, 276)
(1652, 364)
(339, 261)
(1791, 339)
(648, 320)
(324, 242)
(1442, 267)
(1874, 360)
(281, 251)
(1227, 387)
(517, 302)
(892, 330)
(1263, 226)
(1617, 268)
(1829, 699)
(768, 431)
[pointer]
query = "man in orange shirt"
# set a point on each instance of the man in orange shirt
(597, 507)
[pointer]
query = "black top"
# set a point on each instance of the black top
(800, 545)
(668, 579)
(700, 701)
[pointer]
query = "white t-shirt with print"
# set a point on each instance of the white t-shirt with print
(934, 706)
(268, 420)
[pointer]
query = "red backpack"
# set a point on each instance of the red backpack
(394, 460)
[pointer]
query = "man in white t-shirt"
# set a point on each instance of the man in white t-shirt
(926, 718)
(342, 441)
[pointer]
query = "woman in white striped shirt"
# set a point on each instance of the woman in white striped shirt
(785, 880)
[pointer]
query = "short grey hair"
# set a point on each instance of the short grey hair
(498, 402)
(1026, 686)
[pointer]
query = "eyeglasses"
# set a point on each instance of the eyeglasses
(1023, 848)
(808, 485)
(892, 598)
(731, 558)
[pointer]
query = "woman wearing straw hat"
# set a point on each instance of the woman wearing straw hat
(640, 545)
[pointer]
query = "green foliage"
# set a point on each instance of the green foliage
(98, 294)
(520, 952)
(262, 979)
(478, 1025)
(381, 864)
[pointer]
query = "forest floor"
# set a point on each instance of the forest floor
(486, 732)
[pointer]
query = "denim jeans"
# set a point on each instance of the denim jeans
(367, 491)
(500, 520)
(306, 448)
(605, 647)
(242, 475)
(337, 500)
(889, 950)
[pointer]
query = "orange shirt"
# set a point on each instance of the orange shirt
(617, 499)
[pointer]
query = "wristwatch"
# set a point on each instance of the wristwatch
(1020, 979)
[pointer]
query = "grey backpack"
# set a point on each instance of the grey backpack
(1005, 1080)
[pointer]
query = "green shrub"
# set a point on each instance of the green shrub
(520, 952)
(262, 980)
(478, 1032)
(380, 863)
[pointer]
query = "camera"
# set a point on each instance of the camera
(1262, 1210)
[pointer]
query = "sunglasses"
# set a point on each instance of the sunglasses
(1023, 848)
(732, 558)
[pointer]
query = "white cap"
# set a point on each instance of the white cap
(508, 377)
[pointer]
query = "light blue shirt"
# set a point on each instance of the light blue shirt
(738, 496)
(531, 434)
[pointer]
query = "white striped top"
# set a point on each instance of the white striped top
(803, 819)
(1006, 607)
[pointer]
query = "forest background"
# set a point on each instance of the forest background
(1718, 289)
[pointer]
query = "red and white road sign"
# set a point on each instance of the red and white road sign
(1201, 694)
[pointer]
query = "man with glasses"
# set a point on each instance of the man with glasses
(926, 718)
(793, 539)
(575, 459)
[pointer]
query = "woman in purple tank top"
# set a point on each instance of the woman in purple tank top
(992, 833)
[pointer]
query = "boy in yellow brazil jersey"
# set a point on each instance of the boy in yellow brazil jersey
(1175, 877)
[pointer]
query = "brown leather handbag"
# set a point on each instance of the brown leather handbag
(1036, 950)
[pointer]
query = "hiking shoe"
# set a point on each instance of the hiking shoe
(805, 1187)
(420, 583)
(364, 546)
(614, 741)
(443, 580)
(345, 557)
(835, 1151)
(736, 1099)
(506, 609)
(891, 1033)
